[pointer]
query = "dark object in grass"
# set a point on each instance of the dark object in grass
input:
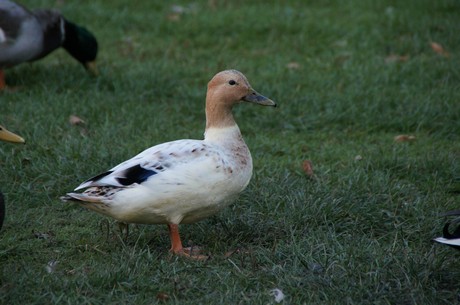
(6, 136)
(2, 210)
(451, 239)
(31, 35)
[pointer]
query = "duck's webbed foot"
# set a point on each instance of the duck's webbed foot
(177, 249)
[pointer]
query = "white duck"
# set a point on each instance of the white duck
(183, 181)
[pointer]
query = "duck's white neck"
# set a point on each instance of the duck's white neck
(223, 134)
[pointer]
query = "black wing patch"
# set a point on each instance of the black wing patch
(135, 174)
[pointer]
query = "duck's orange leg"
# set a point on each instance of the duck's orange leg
(176, 245)
(2, 80)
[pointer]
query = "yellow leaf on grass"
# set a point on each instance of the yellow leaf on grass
(404, 138)
(162, 296)
(293, 65)
(75, 120)
(396, 58)
(438, 48)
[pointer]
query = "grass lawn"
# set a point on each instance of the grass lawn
(348, 77)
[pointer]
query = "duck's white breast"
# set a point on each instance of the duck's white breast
(200, 178)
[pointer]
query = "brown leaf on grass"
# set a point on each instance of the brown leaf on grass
(396, 58)
(230, 253)
(162, 296)
(193, 250)
(174, 17)
(307, 167)
(75, 120)
(438, 48)
(293, 65)
(404, 138)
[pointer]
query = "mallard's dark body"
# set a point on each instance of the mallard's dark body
(30, 35)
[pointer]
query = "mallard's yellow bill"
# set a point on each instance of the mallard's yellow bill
(8, 136)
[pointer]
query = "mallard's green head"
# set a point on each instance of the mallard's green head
(81, 44)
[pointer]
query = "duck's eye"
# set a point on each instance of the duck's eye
(232, 82)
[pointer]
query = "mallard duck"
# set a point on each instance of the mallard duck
(450, 239)
(182, 181)
(8, 136)
(28, 36)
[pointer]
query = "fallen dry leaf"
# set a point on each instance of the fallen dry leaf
(307, 167)
(75, 120)
(174, 17)
(293, 65)
(162, 296)
(230, 253)
(439, 49)
(193, 250)
(396, 58)
(404, 138)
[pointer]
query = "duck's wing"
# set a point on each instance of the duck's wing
(451, 239)
(51, 28)
(21, 35)
(11, 17)
(455, 242)
(158, 161)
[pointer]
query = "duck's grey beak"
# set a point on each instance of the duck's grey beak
(8, 136)
(257, 98)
